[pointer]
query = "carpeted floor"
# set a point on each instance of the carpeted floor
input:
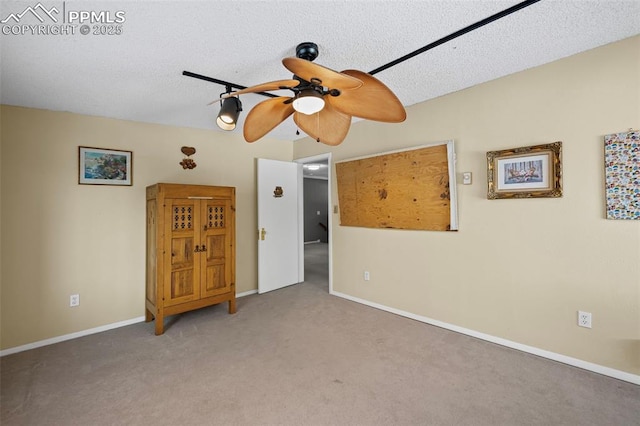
(298, 356)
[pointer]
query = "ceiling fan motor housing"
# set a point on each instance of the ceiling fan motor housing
(307, 50)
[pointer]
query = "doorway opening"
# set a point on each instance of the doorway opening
(317, 220)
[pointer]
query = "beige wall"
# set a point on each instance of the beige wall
(517, 269)
(61, 238)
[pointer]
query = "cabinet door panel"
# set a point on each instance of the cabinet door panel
(216, 247)
(182, 267)
(216, 267)
(182, 251)
(216, 279)
(182, 284)
(215, 282)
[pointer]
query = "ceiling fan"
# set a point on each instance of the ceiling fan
(323, 100)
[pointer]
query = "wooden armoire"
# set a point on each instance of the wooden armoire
(190, 249)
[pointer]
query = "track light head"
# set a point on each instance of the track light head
(229, 113)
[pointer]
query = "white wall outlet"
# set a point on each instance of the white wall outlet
(584, 319)
(366, 275)
(74, 300)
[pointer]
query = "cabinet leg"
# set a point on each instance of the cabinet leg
(232, 306)
(148, 316)
(159, 324)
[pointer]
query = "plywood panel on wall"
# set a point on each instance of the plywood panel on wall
(402, 190)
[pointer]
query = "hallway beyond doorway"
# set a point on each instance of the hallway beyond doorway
(316, 264)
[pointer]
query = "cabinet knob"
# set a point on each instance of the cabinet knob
(204, 248)
(197, 249)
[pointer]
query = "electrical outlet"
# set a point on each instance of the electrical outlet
(74, 300)
(366, 275)
(584, 319)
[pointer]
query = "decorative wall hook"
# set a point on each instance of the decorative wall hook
(278, 192)
(188, 163)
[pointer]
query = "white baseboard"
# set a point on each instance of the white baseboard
(606, 371)
(70, 336)
(88, 332)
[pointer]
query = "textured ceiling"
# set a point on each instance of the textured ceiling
(137, 75)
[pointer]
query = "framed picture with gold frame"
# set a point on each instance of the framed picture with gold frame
(526, 172)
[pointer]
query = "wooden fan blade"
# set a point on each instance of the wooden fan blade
(265, 116)
(264, 87)
(308, 71)
(328, 126)
(372, 101)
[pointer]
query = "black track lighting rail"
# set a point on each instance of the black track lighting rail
(457, 34)
(223, 83)
(429, 46)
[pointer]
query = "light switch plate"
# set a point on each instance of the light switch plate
(466, 178)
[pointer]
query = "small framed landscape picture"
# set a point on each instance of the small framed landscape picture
(99, 166)
(527, 172)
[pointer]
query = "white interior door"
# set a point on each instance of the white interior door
(280, 255)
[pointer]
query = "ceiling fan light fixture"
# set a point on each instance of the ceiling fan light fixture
(229, 113)
(308, 101)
